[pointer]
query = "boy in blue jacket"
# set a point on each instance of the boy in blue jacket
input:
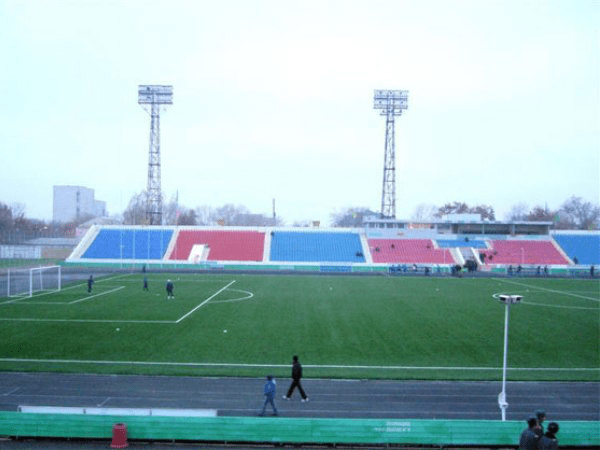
(269, 395)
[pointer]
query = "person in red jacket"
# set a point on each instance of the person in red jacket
(296, 376)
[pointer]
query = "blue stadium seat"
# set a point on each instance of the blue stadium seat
(586, 248)
(450, 243)
(316, 247)
(129, 244)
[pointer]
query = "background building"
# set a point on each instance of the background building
(74, 203)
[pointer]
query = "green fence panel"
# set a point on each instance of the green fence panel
(284, 430)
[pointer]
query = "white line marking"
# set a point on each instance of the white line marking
(106, 400)
(74, 301)
(117, 321)
(6, 319)
(11, 391)
(74, 286)
(96, 295)
(560, 306)
(152, 363)
(550, 290)
(204, 302)
(249, 296)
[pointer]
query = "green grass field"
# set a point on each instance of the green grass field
(340, 326)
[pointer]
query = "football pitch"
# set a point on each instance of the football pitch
(361, 327)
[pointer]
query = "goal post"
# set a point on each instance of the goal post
(25, 282)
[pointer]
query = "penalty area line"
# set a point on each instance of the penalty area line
(204, 302)
(96, 295)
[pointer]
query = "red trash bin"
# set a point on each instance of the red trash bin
(119, 436)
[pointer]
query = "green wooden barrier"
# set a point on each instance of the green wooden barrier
(283, 430)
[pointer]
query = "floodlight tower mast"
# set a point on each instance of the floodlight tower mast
(152, 98)
(391, 104)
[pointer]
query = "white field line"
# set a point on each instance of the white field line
(74, 301)
(249, 296)
(562, 306)
(14, 319)
(549, 290)
(96, 295)
(204, 302)
(191, 364)
(40, 294)
(112, 320)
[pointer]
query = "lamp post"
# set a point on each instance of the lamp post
(507, 300)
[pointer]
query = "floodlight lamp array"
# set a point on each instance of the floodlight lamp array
(390, 101)
(155, 95)
(510, 299)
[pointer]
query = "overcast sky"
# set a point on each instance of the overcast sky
(274, 99)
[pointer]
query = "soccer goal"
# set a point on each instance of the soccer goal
(24, 282)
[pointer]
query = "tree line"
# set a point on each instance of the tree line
(573, 214)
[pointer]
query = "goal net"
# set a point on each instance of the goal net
(26, 282)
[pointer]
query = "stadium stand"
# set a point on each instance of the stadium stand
(541, 252)
(419, 251)
(584, 247)
(135, 243)
(234, 245)
(315, 247)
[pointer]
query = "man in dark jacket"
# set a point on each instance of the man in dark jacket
(296, 376)
(530, 436)
(90, 282)
(170, 289)
(548, 441)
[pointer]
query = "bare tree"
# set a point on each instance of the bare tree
(579, 214)
(452, 208)
(350, 217)
(172, 210)
(135, 214)
(518, 212)
(204, 214)
(229, 214)
(424, 212)
(541, 214)
(186, 217)
(486, 211)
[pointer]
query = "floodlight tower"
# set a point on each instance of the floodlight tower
(391, 104)
(152, 98)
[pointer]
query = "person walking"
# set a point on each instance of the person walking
(548, 441)
(145, 283)
(296, 376)
(169, 287)
(530, 436)
(269, 391)
(90, 282)
(541, 416)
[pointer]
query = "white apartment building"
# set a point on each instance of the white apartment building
(73, 203)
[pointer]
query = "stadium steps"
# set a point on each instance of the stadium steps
(267, 245)
(560, 250)
(171, 246)
(85, 242)
(365, 248)
(457, 255)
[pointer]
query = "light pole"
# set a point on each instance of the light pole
(507, 300)
(391, 103)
